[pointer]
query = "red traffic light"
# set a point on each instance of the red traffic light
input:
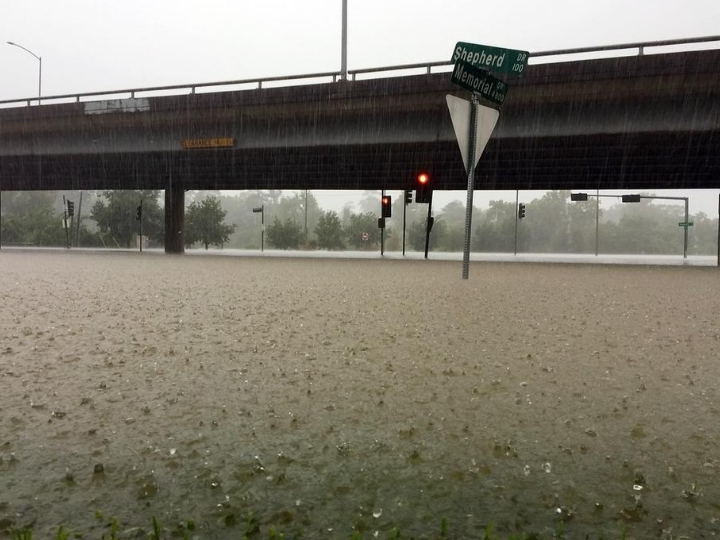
(423, 189)
(386, 206)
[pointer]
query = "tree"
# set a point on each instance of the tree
(205, 223)
(28, 217)
(329, 231)
(41, 227)
(452, 218)
(495, 228)
(115, 214)
(416, 235)
(359, 224)
(284, 234)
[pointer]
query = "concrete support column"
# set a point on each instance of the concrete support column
(174, 219)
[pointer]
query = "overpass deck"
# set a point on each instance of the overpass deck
(639, 122)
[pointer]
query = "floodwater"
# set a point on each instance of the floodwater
(329, 395)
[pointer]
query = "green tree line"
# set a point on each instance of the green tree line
(553, 224)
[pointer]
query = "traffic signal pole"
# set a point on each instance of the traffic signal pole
(67, 235)
(517, 196)
(687, 222)
(382, 231)
(428, 225)
(141, 224)
(405, 218)
(471, 185)
(79, 213)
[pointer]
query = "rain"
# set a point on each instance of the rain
(252, 285)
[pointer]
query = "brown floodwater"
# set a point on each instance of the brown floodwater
(325, 396)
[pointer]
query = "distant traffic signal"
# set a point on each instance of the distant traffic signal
(71, 208)
(423, 189)
(631, 198)
(408, 196)
(521, 210)
(386, 206)
(578, 197)
(138, 213)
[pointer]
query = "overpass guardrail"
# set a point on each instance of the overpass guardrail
(335, 76)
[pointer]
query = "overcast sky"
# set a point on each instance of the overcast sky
(89, 45)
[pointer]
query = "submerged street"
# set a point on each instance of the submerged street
(330, 395)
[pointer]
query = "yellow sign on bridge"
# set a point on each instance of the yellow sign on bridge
(217, 142)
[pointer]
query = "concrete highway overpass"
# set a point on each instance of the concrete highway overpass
(634, 122)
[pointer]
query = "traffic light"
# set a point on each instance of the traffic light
(381, 223)
(423, 191)
(71, 208)
(138, 213)
(386, 206)
(521, 210)
(578, 197)
(408, 196)
(631, 198)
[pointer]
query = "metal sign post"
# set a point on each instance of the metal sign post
(471, 185)
(472, 64)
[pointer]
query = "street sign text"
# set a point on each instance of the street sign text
(477, 80)
(491, 58)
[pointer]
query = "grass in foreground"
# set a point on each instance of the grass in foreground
(250, 530)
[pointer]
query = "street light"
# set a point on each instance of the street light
(39, 58)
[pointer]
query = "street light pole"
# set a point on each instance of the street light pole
(39, 58)
(343, 47)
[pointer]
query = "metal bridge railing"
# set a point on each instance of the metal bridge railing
(336, 75)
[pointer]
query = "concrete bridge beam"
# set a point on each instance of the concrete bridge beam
(174, 219)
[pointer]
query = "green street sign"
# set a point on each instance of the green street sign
(682, 224)
(491, 58)
(480, 81)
